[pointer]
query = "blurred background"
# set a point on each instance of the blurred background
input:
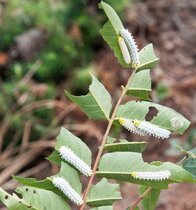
(47, 46)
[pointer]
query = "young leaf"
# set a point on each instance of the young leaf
(190, 165)
(139, 109)
(120, 165)
(103, 194)
(140, 86)
(42, 199)
(151, 199)
(96, 104)
(13, 202)
(147, 57)
(126, 146)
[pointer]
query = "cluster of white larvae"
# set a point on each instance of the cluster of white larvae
(128, 48)
(144, 128)
(152, 175)
(69, 156)
(135, 126)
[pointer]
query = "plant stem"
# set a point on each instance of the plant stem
(140, 198)
(101, 148)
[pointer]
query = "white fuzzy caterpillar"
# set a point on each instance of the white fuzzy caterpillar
(68, 155)
(128, 124)
(131, 45)
(144, 128)
(151, 129)
(65, 187)
(124, 50)
(152, 175)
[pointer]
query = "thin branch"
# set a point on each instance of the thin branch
(28, 76)
(26, 135)
(18, 163)
(101, 148)
(140, 198)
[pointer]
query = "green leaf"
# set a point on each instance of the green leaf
(148, 58)
(140, 86)
(110, 140)
(103, 194)
(42, 199)
(110, 32)
(13, 202)
(190, 165)
(55, 158)
(136, 208)
(126, 146)
(66, 138)
(112, 16)
(111, 37)
(103, 208)
(139, 109)
(120, 165)
(42, 184)
(190, 153)
(96, 104)
(150, 200)
(66, 171)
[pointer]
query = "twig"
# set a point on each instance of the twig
(140, 198)
(28, 76)
(101, 148)
(6, 122)
(19, 163)
(26, 135)
(3, 129)
(40, 104)
(10, 149)
(12, 184)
